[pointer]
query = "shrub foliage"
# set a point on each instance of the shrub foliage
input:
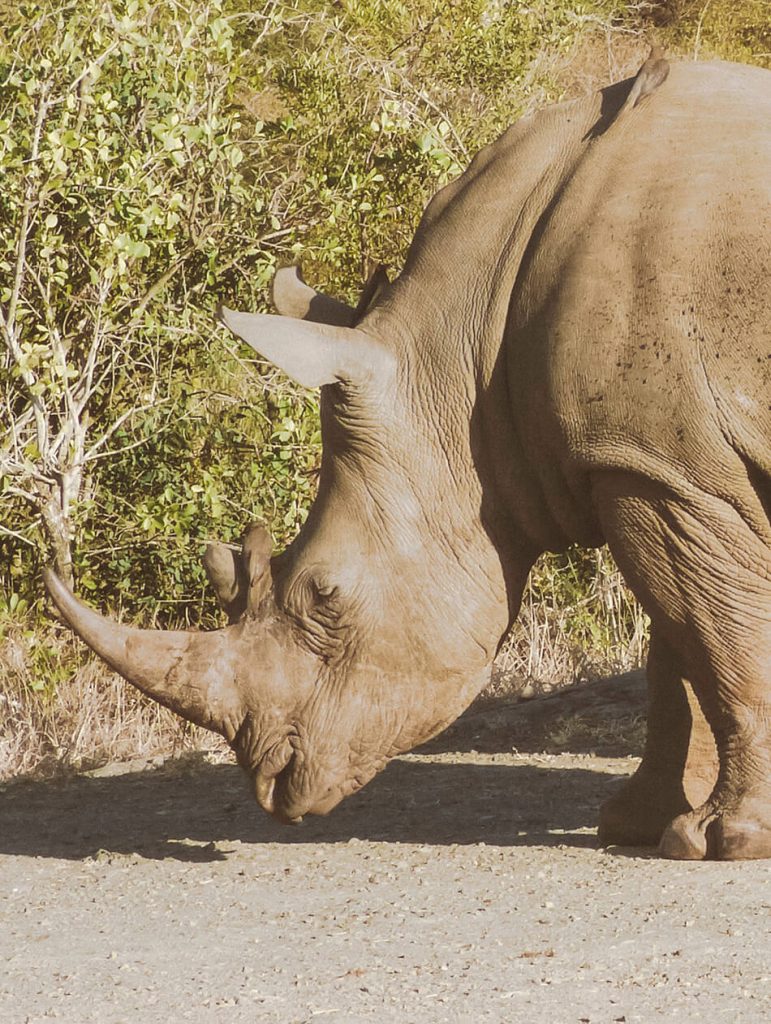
(156, 157)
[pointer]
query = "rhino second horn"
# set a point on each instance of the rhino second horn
(192, 674)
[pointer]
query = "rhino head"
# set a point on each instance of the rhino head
(378, 625)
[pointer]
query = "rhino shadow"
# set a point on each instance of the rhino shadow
(603, 717)
(182, 812)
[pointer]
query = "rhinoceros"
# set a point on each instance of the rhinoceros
(576, 350)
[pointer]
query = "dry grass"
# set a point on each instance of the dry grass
(580, 733)
(566, 633)
(79, 718)
(598, 58)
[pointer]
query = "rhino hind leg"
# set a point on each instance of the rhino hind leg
(679, 764)
(705, 579)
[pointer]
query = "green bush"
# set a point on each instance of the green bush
(158, 157)
(705, 29)
(135, 196)
(155, 158)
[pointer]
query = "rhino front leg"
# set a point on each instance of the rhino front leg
(704, 576)
(679, 765)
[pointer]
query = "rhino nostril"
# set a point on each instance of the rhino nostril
(270, 768)
(264, 788)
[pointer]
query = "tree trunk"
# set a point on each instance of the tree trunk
(59, 533)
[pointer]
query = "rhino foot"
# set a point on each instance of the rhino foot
(742, 833)
(641, 811)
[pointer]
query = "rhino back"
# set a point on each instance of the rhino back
(638, 333)
(568, 296)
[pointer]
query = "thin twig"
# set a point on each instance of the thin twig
(8, 322)
(93, 452)
(697, 40)
(8, 532)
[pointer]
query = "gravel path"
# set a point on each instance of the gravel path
(463, 884)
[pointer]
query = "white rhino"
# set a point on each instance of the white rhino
(577, 350)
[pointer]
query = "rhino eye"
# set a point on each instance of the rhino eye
(325, 591)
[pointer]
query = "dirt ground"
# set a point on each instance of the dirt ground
(463, 884)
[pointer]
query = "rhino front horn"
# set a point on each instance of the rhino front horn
(193, 674)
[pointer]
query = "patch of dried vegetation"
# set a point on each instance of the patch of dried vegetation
(59, 712)
(570, 630)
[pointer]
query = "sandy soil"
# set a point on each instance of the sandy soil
(464, 884)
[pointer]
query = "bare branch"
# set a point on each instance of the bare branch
(8, 321)
(154, 289)
(18, 424)
(8, 532)
(14, 491)
(30, 190)
(89, 69)
(86, 384)
(93, 452)
(71, 422)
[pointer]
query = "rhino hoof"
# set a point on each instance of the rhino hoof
(683, 839)
(706, 833)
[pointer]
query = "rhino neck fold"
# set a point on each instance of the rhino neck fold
(461, 274)
(192, 674)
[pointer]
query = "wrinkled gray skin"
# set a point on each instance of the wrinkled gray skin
(577, 349)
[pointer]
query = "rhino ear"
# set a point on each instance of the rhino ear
(257, 548)
(376, 284)
(294, 298)
(240, 579)
(312, 354)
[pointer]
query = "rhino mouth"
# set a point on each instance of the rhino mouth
(279, 788)
(280, 794)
